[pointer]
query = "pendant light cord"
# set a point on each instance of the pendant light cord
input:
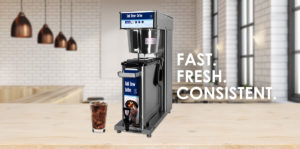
(60, 11)
(21, 5)
(71, 18)
(45, 11)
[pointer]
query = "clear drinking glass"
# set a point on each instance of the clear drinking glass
(99, 110)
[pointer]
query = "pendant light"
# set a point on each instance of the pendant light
(45, 35)
(21, 27)
(60, 40)
(71, 45)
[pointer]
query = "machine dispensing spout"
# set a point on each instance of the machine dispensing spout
(126, 118)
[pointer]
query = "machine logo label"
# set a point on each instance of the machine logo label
(137, 20)
(131, 96)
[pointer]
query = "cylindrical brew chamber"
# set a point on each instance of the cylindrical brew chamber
(146, 41)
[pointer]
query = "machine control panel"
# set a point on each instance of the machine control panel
(130, 20)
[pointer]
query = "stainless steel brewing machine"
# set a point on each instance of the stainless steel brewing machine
(147, 79)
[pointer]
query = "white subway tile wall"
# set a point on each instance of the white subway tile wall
(184, 36)
(24, 62)
(270, 38)
(231, 43)
(199, 24)
(262, 49)
(206, 27)
(279, 46)
(221, 46)
(203, 28)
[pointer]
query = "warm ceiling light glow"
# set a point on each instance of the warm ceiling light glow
(259, 38)
(218, 46)
(197, 51)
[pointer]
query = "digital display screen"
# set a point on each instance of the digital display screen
(137, 20)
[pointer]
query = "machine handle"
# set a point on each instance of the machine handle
(128, 75)
(156, 75)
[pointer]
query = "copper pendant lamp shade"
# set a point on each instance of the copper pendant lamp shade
(21, 27)
(71, 46)
(45, 35)
(60, 41)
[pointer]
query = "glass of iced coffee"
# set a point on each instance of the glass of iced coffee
(99, 110)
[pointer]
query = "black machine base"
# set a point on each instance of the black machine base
(148, 129)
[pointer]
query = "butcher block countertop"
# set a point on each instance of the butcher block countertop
(41, 94)
(192, 126)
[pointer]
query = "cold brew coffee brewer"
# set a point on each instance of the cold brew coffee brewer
(147, 79)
